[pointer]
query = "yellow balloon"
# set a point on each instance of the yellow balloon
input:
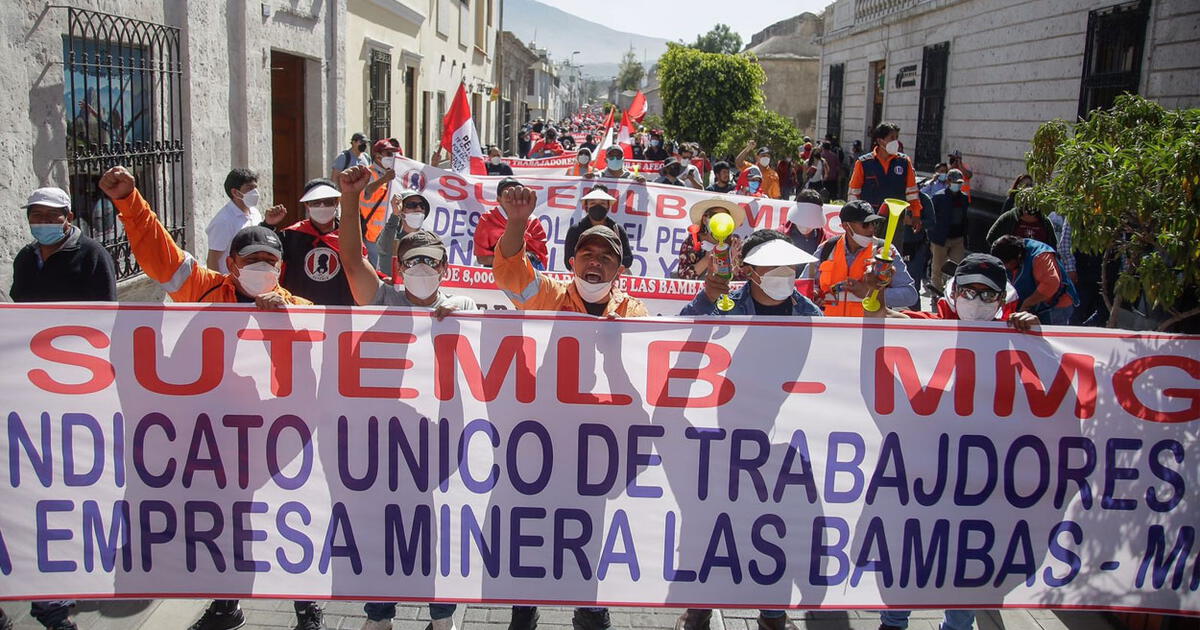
(721, 226)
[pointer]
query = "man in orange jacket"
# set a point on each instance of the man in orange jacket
(253, 256)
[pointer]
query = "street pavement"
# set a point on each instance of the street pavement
(178, 614)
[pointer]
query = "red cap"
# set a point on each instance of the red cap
(386, 144)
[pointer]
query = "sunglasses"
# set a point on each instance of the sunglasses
(988, 296)
(413, 205)
(420, 260)
(322, 203)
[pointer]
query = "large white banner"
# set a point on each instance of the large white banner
(654, 216)
(372, 454)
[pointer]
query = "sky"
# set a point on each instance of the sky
(685, 19)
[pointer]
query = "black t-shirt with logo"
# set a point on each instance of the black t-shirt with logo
(311, 268)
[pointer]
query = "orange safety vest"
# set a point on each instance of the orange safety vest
(843, 303)
(373, 209)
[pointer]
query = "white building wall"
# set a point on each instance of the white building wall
(1012, 65)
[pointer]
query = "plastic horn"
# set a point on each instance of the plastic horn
(721, 227)
(896, 209)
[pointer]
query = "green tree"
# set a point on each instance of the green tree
(702, 91)
(765, 127)
(630, 73)
(721, 39)
(1126, 178)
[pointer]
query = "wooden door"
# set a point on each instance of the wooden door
(287, 132)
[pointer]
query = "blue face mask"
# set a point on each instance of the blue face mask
(754, 186)
(48, 233)
(955, 187)
(616, 165)
(941, 177)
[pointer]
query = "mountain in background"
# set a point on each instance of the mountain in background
(600, 47)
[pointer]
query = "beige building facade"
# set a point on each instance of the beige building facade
(789, 52)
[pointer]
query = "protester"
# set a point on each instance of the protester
(548, 146)
(956, 161)
(1042, 286)
(583, 161)
(947, 238)
(410, 209)
(846, 274)
(254, 256)
(597, 205)
(669, 174)
(523, 143)
(373, 204)
(1023, 181)
(751, 182)
(936, 182)
(656, 151)
(690, 172)
(806, 240)
(833, 168)
(356, 155)
(769, 264)
(493, 223)
(589, 143)
(916, 248)
(886, 173)
(61, 264)
(694, 258)
(815, 169)
(770, 179)
(787, 177)
(495, 163)
(310, 264)
(615, 167)
(722, 182)
(241, 186)
(1023, 222)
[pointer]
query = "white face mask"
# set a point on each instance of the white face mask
(251, 199)
(322, 214)
(387, 161)
(583, 158)
(422, 281)
(779, 283)
(593, 292)
(892, 147)
(707, 246)
(975, 310)
(764, 161)
(258, 278)
(414, 219)
(862, 240)
(685, 162)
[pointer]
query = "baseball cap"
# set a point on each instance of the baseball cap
(601, 232)
(764, 150)
(52, 197)
(386, 144)
(982, 268)
(421, 243)
(858, 212)
(254, 239)
(614, 149)
(507, 182)
(956, 153)
(954, 175)
(753, 171)
(405, 195)
(358, 135)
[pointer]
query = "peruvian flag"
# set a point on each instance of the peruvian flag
(459, 138)
(625, 138)
(600, 159)
(637, 109)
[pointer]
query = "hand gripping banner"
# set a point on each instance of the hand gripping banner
(370, 454)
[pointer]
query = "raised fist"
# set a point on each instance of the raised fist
(354, 179)
(117, 183)
(518, 203)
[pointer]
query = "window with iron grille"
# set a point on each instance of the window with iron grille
(381, 94)
(833, 123)
(122, 82)
(932, 107)
(1112, 59)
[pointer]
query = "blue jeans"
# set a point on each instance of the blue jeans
(381, 611)
(1057, 316)
(954, 619)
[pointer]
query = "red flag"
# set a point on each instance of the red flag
(459, 138)
(625, 138)
(637, 109)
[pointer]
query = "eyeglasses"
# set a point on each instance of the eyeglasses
(409, 263)
(322, 203)
(986, 295)
(413, 205)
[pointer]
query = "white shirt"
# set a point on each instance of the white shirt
(691, 171)
(225, 224)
